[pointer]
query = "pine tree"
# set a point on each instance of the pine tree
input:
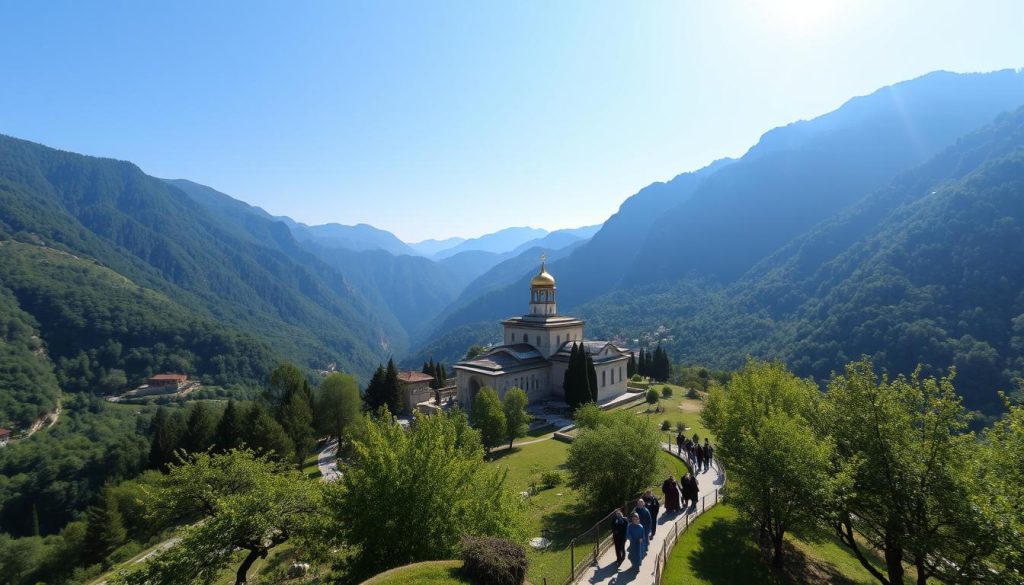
(296, 417)
(641, 366)
(374, 397)
(166, 430)
(631, 366)
(35, 520)
(104, 531)
(265, 435)
(230, 429)
(649, 364)
(199, 428)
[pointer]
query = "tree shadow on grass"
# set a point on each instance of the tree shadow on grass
(567, 523)
(502, 453)
(728, 555)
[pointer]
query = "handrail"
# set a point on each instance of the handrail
(669, 543)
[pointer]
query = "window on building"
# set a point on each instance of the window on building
(558, 340)
(538, 341)
(602, 378)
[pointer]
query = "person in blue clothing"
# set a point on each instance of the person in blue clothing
(637, 535)
(644, 514)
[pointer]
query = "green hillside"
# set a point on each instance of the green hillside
(254, 278)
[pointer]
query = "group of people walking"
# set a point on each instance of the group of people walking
(638, 529)
(642, 523)
(700, 455)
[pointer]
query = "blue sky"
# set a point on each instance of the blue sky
(433, 119)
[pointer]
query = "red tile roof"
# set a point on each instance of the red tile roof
(169, 378)
(4, 432)
(410, 377)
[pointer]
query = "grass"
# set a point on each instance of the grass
(678, 408)
(559, 513)
(428, 573)
(720, 549)
(310, 466)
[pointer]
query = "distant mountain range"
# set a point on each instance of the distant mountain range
(695, 262)
(889, 227)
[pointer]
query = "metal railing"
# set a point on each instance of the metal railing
(669, 543)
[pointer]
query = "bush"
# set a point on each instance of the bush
(551, 479)
(666, 392)
(493, 561)
(680, 426)
(636, 378)
(666, 425)
(589, 416)
(652, 396)
(692, 393)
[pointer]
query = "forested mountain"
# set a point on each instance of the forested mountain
(252, 279)
(357, 238)
(927, 270)
(800, 249)
(432, 246)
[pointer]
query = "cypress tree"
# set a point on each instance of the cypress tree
(631, 365)
(104, 530)
(641, 366)
(570, 382)
(591, 379)
(649, 364)
(392, 388)
(35, 520)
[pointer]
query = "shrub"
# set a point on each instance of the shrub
(666, 392)
(652, 396)
(680, 427)
(551, 479)
(493, 561)
(636, 378)
(589, 416)
(692, 393)
(665, 425)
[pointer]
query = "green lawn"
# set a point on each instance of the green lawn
(677, 408)
(720, 549)
(428, 573)
(310, 465)
(558, 513)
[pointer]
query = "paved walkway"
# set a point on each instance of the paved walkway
(328, 461)
(606, 571)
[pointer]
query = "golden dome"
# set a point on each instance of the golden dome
(543, 278)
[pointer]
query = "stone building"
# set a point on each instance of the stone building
(414, 387)
(535, 353)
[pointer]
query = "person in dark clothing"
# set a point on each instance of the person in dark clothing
(671, 490)
(692, 491)
(699, 458)
(653, 506)
(619, 524)
(644, 514)
(708, 453)
(680, 442)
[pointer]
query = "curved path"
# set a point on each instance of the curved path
(328, 461)
(607, 573)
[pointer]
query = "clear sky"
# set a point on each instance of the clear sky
(433, 119)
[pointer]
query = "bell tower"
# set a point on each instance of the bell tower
(542, 293)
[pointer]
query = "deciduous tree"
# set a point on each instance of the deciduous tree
(764, 424)
(517, 421)
(488, 417)
(436, 470)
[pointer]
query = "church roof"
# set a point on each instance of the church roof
(593, 348)
(506, 359)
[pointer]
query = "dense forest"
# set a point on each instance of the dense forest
(925, 270)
